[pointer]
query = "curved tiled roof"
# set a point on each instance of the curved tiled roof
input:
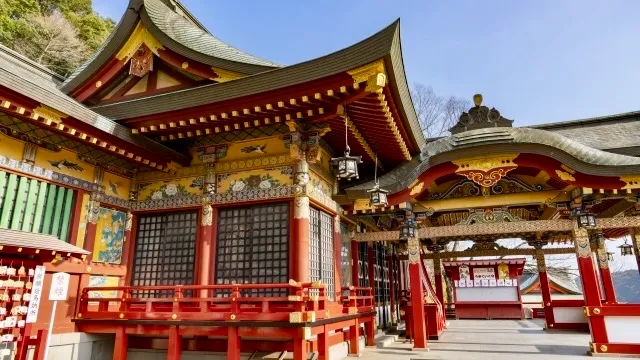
(25, 77)
(383, 45)
(183, 31)
(536, 140)
(176, 30)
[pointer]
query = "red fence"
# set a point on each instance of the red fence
(307, 302)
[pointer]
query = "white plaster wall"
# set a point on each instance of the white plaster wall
(336, 352)
(623, 329)
(77, 346)
(564, 315)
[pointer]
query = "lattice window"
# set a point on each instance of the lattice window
(321, 267)
(252, 247)
(363, 265)
(165, 251)
(381, 273)
(345, 255)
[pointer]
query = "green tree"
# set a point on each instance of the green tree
(59, 34)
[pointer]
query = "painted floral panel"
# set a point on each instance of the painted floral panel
(109, 236)
(171, 188)
(262, 179)
(103, 281)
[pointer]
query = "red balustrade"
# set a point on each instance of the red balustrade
(232, 311)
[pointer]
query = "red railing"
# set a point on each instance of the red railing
(306, 302)
(357, 299)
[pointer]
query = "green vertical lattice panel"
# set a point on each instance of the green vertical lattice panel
(40, 204)
(3, 187)
(30, 206)
(7, 205)
(18, 207)
(48, 210)
(57, 212)
(66, 215)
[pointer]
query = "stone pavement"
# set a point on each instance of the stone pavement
(492, 340)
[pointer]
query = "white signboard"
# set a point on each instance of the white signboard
(484, 273)
(36, 294)
(59, 286)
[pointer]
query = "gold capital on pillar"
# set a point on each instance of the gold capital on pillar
(581, 239)
(94, 212)
(207, 215)
(413, 248)
(542, 266)
(128, 222)
(301, 208)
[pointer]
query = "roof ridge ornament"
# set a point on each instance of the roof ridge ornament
(479, 117)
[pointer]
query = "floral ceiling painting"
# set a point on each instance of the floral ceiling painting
(110, 236)
(263, 179)
(171, 188)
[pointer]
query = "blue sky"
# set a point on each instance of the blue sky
(536, 61)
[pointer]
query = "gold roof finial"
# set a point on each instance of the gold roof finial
(477, 99)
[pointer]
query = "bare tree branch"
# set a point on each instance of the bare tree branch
(436, 113)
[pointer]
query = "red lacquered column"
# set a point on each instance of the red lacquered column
(545, 289)
(417, 293)
(590, 286)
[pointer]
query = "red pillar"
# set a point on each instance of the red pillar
(76, 217)
(605, 272)
(392, 287)
(92, 224)
(121, 345)
(417, 293)
(128, 250)
(355, 266)
(323, 344)
(545, 289)
(371, 262)
(590, 286)
(233, 344)
(337, 255)
(206, 242)
(300, 344)
(301, 239)
(437, 270)
(175, 343)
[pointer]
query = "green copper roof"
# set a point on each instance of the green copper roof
(178, 30)
(183, 31)
(575, 154)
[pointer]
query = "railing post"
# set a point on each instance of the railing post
(354, 338)
(177, 295)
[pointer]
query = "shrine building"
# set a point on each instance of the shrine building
(209, 202)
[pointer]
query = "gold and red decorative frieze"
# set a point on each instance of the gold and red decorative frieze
(486, 171)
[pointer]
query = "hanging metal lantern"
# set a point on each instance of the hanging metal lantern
(346, 167)
(407, 230)
(377, 196)
(586, 220)
(626, 249)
